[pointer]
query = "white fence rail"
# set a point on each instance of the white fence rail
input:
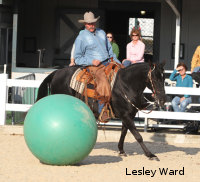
(5, 106)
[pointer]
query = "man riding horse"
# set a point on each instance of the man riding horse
(93, 49)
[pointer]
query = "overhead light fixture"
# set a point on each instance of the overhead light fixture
(143, 12)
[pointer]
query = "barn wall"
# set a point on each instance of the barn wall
(190, 28)
(167, 29)
(37, 19)
(167, 36)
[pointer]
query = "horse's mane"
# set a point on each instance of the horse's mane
(142, 66)
(135, 73)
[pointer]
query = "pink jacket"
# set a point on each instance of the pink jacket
(135, 52)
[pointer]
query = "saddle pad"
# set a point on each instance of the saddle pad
(75, 84)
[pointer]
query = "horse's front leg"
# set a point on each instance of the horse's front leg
(121, 141)
(129, 124)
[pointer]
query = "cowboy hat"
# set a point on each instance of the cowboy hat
(89, 18)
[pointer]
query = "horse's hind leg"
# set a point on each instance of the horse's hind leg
(121, 140)
(129, 124)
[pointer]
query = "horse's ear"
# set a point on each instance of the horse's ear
(150, 62)
(163, 63)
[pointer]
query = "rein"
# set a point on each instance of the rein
(150, 78)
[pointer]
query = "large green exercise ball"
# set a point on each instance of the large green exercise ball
(60, 130)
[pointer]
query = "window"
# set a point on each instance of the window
(146, 26)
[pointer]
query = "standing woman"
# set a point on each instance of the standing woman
(179, 103)
(115, 47)
(135, 49)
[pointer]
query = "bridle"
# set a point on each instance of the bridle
(150, 79)
(155, 92)
(153, 88)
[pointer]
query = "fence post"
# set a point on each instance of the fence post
(3, 98)
(145, 124)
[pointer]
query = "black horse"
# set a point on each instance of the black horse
(127, 94)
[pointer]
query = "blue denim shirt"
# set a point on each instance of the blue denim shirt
(186, 82)
(90, 46)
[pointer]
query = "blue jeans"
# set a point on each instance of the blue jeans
(180, 106)
(126, 63)
(196, 69)
(100, 107)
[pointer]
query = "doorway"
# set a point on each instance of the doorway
(118, 16)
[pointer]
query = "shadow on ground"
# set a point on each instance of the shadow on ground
(101, 159)
(156, 148)
(133, 149)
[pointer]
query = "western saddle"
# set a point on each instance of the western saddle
(84, 82)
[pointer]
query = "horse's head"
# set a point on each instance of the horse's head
(156, 83)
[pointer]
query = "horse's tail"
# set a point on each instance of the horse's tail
(45, 86)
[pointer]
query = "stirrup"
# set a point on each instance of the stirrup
(104, 116)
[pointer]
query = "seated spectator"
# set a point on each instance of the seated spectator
(179, 103)
(115, 47)
(195, 63)
(135, 49)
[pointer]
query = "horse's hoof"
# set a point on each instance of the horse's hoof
(122, 154)
(155, 158)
